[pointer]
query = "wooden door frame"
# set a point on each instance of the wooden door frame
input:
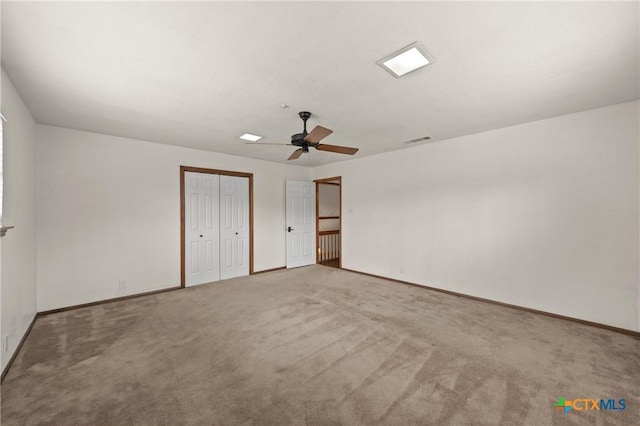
(327, 181)
(183, 170)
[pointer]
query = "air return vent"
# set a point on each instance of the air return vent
(422, 139)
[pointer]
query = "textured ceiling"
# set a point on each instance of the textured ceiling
(201, 74)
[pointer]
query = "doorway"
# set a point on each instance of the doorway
(329, 221)
(216, 225)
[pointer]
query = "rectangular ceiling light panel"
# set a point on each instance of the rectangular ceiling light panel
(406, 60)
(250, 137)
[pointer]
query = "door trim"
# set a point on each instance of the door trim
(184, 169)
(328, 181)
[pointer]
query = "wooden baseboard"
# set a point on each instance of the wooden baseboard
(270, 270)
(508, 305)
(131, 296)
(15, 353)
(100, 302)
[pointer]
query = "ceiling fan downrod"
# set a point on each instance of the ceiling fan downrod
(304, 115)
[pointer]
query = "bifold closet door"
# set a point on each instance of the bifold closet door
(234, 226)
(202, 228)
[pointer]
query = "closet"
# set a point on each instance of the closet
(216, 227)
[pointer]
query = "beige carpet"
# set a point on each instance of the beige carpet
(315, 346)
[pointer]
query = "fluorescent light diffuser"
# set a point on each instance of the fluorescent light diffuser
(406, 60)
(250, 137)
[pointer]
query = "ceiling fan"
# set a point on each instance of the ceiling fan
(305, 140)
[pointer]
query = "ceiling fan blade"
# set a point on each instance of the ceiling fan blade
(336, 148)
(317, 134)
(296, 154)
(266, 143)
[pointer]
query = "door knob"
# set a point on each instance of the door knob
(289, 229)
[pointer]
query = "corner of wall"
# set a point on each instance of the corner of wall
(18, 247)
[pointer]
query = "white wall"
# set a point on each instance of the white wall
(18, 260)
(542, 215)
(109, 210)
(328, 205)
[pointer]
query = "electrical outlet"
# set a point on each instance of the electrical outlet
(122, 284)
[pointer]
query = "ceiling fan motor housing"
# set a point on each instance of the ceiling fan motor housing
(298, 139)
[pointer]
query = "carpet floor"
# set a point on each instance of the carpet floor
(315, 346)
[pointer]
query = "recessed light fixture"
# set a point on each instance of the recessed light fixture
(406, 60)
(250, 137)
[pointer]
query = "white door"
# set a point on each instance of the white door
(301, 223)
(234, 226)
(202, 245)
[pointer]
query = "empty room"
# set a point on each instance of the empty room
(320, 213)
